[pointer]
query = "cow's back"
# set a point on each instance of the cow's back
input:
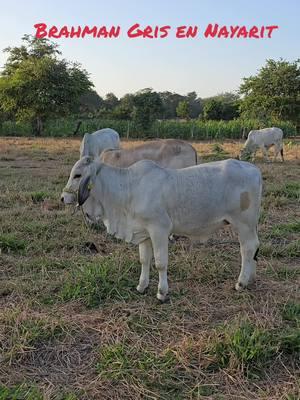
(266, 136)
(167, 153)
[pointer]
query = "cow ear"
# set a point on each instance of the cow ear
(84, 190)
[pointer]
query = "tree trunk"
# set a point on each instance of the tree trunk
(77, 128)
(37, 126)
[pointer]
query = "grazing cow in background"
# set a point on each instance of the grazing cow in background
(169, 153)
(145, 203)
(263, 139)
(94, 144)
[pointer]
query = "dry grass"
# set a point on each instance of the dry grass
(72, 326)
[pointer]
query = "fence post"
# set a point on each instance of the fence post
(127, 134)
(192, 131)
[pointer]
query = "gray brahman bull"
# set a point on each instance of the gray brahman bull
(169, 153)
(93, 144)
(263, 139)
(145, 203)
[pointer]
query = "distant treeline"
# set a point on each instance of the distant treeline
(189, 130)
(42, 93)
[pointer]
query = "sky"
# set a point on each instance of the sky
(123, 65)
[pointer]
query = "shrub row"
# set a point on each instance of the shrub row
(194, 129)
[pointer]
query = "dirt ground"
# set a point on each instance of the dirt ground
(72, 325)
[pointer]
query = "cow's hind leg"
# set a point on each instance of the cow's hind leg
(249, 247)
(146, 253)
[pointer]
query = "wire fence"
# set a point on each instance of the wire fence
(189, 130)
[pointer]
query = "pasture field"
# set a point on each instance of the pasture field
(72, 326)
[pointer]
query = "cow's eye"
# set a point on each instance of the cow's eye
(77, 176)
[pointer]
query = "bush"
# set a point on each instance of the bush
(193, 129)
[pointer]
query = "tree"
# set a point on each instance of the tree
(36, 85)
(111, 101)
(183, 110)
(195, 104)
(124, 109)
(224, 106)
(170, 102)
(273, 92)
(90, 102)
(147, 107)
(212, 109)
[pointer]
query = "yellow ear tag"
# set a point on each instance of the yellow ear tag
(90, 186)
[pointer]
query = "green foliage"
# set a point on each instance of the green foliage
(25, 332)
(147, 107)
(120, 361)
(244, 346)
(284, 273)
(290, 190)
(284, 229)
(291, 250)
(95, 283)
(222, 107)
(20, 392)
(289, 341)
(39, 196)
(291, 312)
(212, 110)
(25, 391)
(35, 85)
(183, 110)
(192, 129)
(274, 92)
(90, 102)
(10, 243)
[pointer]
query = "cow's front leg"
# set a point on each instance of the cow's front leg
(249, 247)
(265, 153)
(146, 253)
(160, 242)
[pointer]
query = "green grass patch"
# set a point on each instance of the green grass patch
(38, 197)
(291, 250)
(245, 347)
(20, 392)
(284, 229)
(291, 312)
(203, 390)
(97, 282)
(22, 332)
(290, 190)
(46, 264)
(25, 391)
(11, 243)
(249, 348)
(155, 370)
(289, 341)
(284, 273)
(218, 153)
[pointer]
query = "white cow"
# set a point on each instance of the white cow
(145, 203)
(93, 144)
(169, 153)
(263, 139)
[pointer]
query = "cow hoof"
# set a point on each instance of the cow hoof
(141, 289)
(239, 287)
(162, 298)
